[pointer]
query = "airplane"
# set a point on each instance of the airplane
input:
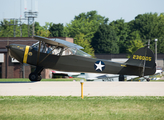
(65, 74)
(106, 77)
(99, 77)
(65, 56)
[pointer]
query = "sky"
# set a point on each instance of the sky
(63, 11)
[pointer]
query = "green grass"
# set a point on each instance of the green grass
(59, 79)
(156, 80)
(75, 108)
(27, 80)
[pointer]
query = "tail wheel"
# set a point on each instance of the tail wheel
(148, 79)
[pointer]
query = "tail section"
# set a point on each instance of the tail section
(144, 60)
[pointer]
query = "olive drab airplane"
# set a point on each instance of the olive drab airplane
(62, 55)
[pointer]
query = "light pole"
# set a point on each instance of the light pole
(149, 43)
(156, 50)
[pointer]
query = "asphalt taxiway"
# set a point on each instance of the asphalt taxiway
(90, 89)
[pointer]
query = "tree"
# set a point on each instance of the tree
(76, 27)
(160, 45)
(57, 30)
(24, 28)
(92, 16)
(80, 40)
(7, 30)
(43, 31)
(134, 45)
(11, 29)
(105, 40)
(149, 25)
(160, 32)
(121, 29)
(83, 27)
(86, 23)
(37, 26)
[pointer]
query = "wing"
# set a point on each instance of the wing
(58, 42)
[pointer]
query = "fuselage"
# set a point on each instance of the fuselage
(70, 63)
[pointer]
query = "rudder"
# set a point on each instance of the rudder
(143, 58)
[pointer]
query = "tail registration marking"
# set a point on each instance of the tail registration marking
(139, 57)
(26, 54)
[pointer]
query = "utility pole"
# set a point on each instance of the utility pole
(30, 16)
(149, 43)
(23, 71)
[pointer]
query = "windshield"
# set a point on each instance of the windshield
(74, 51)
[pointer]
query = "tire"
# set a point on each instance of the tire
(33, 77)
(148, 79)
(39, 78)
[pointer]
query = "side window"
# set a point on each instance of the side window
(56, 51)
(35, 46)
(47, 48)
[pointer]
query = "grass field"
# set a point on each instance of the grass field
(27, 80)
(75, 108)
(59, 79)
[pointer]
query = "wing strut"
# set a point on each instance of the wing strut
(38, 55)
(62, 49)
(46, 56)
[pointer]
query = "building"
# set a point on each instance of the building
(10, 68)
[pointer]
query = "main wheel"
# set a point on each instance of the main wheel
(33, 76)
(39, 78)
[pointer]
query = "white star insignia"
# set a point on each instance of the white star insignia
(99, 66)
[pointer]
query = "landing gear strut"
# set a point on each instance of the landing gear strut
(36, 75)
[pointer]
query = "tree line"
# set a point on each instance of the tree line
(97, 35)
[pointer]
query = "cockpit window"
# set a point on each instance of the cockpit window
(47, 48)
(73, 51)
(35, 46)
(56, 50)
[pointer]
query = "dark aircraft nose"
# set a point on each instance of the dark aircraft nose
(16, 51)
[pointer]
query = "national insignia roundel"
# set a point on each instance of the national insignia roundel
(99, 66)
